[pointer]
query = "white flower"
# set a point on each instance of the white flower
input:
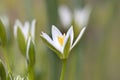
(81, 16)
(22, 34)
(62, 44)
(27, 29)
(65, 15)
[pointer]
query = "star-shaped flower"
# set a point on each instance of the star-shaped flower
(60, 43)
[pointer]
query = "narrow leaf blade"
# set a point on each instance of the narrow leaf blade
(2, 71)
(3, 36)
(21, 41)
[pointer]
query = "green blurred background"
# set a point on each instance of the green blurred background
(96, 57)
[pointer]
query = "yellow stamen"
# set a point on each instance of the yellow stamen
(61, 39)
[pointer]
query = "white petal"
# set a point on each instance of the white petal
(33, 28)
(49, 40)
(45, 36)
(71, 34)
(79, 37)
(55, 34)
(65, 41)
(16, 25)
(65, 15)
(82, 15)
(25, 29)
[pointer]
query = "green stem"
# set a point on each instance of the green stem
(63, 69)
(31, 73)
(6, 58)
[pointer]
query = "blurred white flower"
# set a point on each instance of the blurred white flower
(27, 29)
(62, 43)
(80, 16)
(22, 34)
(65, 15)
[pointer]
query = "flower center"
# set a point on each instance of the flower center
(61, 39)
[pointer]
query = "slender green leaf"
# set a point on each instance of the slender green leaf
(2, 71)
(3, 36)
(31, 53)
(21, 41)
(10, 76)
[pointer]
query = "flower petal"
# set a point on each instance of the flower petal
(82, 15)
(79, 37)
(25, 29)
(55, 34)
(50, 44)
(45, 36)
(33, 28)
(65, 15)
(71, 34)
(16, 25)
